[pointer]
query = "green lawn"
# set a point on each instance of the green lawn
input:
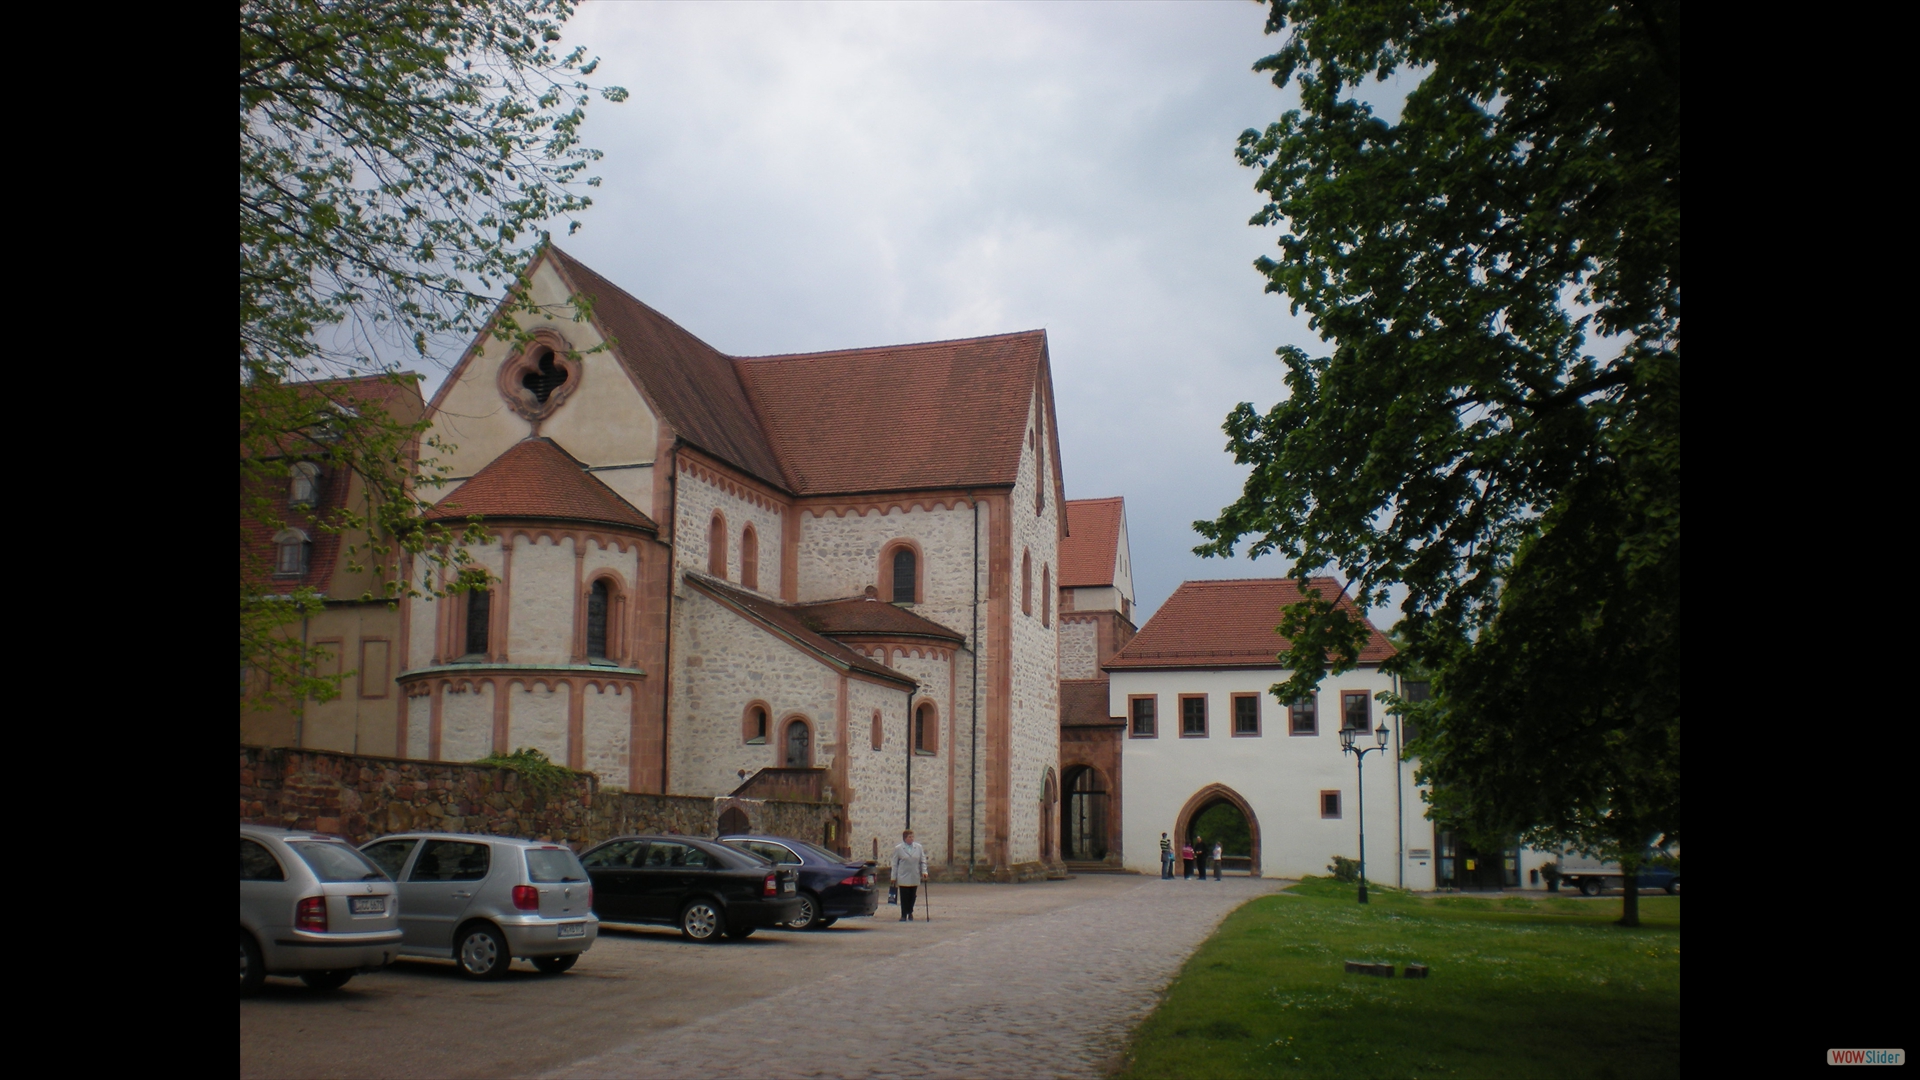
(1520, 986)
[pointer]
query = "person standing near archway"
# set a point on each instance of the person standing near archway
(1166, 858)
(1186, 862)
(1216, 860)
(1200, 856)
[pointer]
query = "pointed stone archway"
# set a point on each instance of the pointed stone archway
(1207, 797)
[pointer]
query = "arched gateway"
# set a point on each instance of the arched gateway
(1207, 798)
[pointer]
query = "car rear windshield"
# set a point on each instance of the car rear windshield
(336, 862)
(830, 856)
(553, 864)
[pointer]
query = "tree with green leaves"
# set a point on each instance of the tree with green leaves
(398, 161)
(1496, 428)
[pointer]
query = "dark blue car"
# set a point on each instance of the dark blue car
(832, 887)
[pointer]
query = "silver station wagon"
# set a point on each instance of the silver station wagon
(312, 906)
(483, 900)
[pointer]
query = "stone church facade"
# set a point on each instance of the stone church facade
(836, 575)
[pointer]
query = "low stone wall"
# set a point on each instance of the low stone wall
(360, 797)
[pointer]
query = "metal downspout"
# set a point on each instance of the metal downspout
(909, 742)
(673, 581)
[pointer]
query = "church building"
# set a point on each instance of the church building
(835, 575)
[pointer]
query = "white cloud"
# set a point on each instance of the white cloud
(798, 177)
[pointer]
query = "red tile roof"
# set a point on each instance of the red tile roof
(785, 621)
(691, 383)
(941, 414)
(1085, 701)
(1227, 624)
(1091, 549)
(862, 617)
(537, 479)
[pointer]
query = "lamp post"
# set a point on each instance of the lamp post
(1360, 752)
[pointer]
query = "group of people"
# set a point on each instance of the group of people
(1193, 859)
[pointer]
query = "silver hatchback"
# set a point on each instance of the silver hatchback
(483, 900)
(312, 906)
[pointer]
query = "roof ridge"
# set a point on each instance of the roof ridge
(886, 348)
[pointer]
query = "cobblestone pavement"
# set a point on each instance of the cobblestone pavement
(1049, 994)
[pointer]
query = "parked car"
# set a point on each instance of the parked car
(483, 900)
(312, 906)
(702, 886)
(832, 886)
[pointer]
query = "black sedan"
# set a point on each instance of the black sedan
(705, 888)
(832, 887)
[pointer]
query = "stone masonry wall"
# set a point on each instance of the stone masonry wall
(1079, 649)
(359, 798)
(697, 498)
(1035, 725)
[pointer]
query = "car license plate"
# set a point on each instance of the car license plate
(787, 887)
(369, 905)
(573, 929)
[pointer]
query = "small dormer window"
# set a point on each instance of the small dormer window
(291, 549)
(303, 489)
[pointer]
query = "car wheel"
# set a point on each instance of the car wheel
(1673, 887)
(481, 952)
(554, 965)
(326, 980)
(808, 916)
(253, 969)
(701, 921)
(740, 933)
(1589, 886)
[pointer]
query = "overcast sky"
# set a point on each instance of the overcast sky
(790, 178)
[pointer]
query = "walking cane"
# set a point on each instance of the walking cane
(927, 887)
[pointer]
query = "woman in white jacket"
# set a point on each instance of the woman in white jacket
(909, 866)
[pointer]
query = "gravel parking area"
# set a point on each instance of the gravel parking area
(1044, 979)
(1046, 994)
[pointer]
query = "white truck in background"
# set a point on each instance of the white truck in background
(1591, 876)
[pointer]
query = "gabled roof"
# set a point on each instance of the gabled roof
(1084, 702)
(537, 479)
(941, 414)
(1229, 624)
(689, 381)
(785, 622)
(868, 617)
(399, 398)
(1091, 549)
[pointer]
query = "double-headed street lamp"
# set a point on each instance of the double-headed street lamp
(1360, 752)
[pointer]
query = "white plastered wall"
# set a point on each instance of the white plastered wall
(604, 422)
(540, 610)
(537, 718)
(466, 723)
(607, 723)
(1279, 774)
